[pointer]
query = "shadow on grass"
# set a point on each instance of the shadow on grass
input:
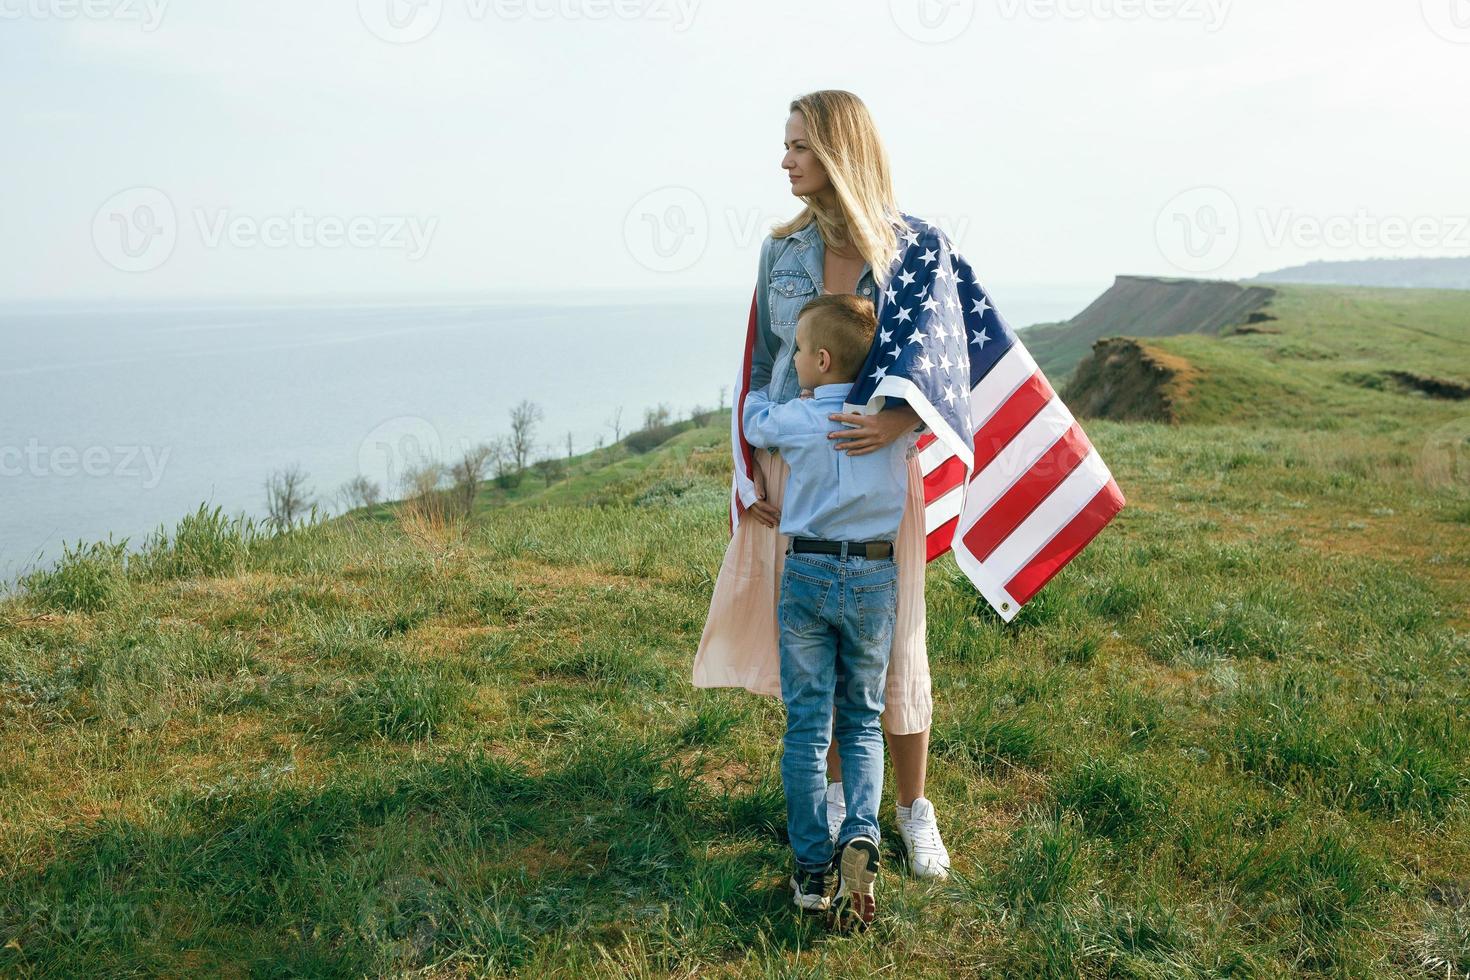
(469, 858)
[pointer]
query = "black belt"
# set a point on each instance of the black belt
(865, 549)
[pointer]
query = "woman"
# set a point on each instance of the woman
(848, 228)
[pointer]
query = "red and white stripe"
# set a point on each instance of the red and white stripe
(1037, 494)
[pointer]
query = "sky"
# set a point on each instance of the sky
(194, 150)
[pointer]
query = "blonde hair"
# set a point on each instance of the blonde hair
(841, 132)
(844, 324)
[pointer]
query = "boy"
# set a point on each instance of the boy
(836, 613)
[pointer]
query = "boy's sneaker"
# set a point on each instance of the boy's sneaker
(809, 890)
(836, 810)
(921, 842)
(857, 870)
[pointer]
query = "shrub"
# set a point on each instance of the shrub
(88, 578)
(359, 493)
(287, 498)
(204, 543)
(654, 436)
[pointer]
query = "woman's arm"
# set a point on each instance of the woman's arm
(762, 359)
(763, 351)
(869, 433)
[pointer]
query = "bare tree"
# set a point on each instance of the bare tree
(502, 463)
(431, 514)
(422, 496)
(287, 498)
(569, 447)
(616, 424)
(359, 492)
(422, 479)
(655, 417)
(468, 473)
(523, 419)
(724, 390)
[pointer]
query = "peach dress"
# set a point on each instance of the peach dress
(739, 647)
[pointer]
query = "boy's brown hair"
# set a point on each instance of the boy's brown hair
(845, 325)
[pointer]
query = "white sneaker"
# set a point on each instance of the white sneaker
(836, 811)
(921, 842)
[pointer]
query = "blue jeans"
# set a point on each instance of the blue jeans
(836, 618)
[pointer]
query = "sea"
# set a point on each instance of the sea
(118, 419)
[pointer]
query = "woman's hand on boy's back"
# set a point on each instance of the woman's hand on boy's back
(867, 433)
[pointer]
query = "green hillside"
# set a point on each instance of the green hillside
(1316, 357)
(1142, 306)
(1229, 739)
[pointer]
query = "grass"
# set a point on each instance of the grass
(1228, 740)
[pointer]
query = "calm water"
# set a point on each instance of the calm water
(116, 421)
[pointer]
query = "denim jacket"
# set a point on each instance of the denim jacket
(791, 276)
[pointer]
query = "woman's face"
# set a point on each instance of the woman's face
(808, 176)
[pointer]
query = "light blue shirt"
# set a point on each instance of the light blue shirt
(830, 494)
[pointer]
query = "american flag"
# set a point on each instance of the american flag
(1011, 482)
